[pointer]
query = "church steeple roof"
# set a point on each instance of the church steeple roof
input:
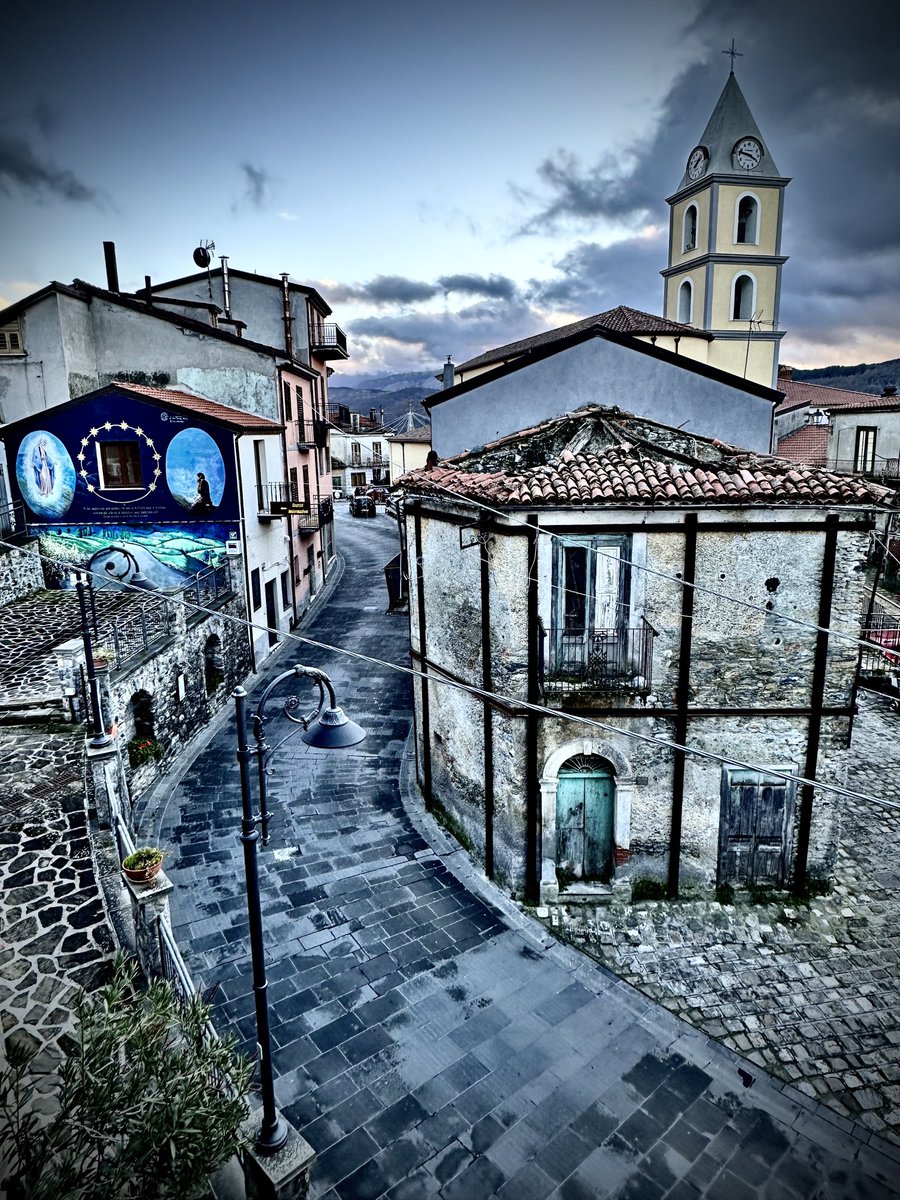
(731, 120)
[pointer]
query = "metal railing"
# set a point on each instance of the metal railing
(327, 339)
(209, 585)
(596, 660)
(882, 469)
(12, 521)
(882, 629)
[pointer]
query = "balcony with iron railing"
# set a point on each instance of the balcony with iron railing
(881, 470)
(12, 522)
(327, 340)
(284, 500)
(596, 661)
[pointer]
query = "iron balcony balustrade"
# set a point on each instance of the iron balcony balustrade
(303, 435)
(12, 522)
(882, 629)
(882, 470)
(596, 661)
(284, 500)
(327, 340)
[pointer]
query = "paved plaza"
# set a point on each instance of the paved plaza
(430, 1038)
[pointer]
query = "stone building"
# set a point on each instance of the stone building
(581, 569)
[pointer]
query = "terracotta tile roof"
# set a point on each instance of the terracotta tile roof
(619, 320)
(809, 445)
(799, 394)
(202, 407)
(600, 457)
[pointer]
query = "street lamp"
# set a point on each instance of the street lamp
(99, 736)
(326, 728)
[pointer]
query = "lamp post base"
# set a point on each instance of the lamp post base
(272, 1138)
(278, 1175)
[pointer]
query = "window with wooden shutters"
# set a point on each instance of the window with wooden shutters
(11, 339)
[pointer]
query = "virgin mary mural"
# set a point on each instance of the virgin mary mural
(45, 473)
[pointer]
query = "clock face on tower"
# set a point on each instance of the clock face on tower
(748, 154)
(697, 162)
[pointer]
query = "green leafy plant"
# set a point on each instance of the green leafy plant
(143, 750)
(143, 857)
(150, 1101)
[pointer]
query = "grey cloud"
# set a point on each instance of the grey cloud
(21, 169)
(461, 334)
(477, 285)
(384, 290)
(593, 277)
(579, 194)
(256, 184)
(47, 117)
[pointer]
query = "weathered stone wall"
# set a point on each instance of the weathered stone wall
(20, 574)
(741, 660)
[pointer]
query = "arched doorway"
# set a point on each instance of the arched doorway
(585, 819)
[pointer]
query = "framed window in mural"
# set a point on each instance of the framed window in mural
(120, 465)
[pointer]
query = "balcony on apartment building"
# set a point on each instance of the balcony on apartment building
(304, 435)
(283, 500)
(584, 663)
(327, 340)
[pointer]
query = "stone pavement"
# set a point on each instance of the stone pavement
(810, 992)
(430, 1039)
(55, 937)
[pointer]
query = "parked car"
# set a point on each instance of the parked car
(362, 506)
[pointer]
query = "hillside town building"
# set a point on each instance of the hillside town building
(594, 561)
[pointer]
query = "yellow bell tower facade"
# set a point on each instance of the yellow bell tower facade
(725, 260)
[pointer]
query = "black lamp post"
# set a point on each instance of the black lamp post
(327, 728)
(99, 736)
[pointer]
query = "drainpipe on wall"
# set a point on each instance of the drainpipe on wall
(286, 315)
(243, 520)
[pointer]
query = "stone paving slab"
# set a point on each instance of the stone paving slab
(810, 992)
(55, 937)
(430, 1039)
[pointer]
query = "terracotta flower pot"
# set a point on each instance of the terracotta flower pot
(142, 874)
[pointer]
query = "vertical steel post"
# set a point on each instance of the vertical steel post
(273, 1131)
(100, 737)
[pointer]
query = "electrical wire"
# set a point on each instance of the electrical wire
(538, 709)
(697, 587)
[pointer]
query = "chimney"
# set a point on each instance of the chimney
(449, 372)
(373, 415)
(112, 270)
(785, 372)
(354, 422)
(226, 287)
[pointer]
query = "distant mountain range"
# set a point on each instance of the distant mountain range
(397, 394)
(866, 377)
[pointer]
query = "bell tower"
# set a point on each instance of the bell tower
(725, 260)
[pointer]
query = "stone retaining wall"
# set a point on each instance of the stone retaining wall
(20, 574)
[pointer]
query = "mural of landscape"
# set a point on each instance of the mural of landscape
(167, 556)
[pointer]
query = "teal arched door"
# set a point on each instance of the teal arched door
(585, 804)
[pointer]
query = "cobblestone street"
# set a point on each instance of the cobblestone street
(809, 992)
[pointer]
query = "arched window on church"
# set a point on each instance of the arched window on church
(685, 302)
(747, 220)
(743, 297)
(690, 227)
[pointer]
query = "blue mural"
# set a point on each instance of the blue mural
(166, 557)
(195, 471)
(45, 474)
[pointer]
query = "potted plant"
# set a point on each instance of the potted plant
(143, 864)
(143, 750)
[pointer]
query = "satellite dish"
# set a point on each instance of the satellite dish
(202, 256)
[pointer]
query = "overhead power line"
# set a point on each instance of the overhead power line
(499, 697)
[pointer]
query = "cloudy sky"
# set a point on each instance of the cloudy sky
(453, 176)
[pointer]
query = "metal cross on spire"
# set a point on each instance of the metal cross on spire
(734, 54)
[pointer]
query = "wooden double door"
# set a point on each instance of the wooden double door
(755, 829)
(585, 807)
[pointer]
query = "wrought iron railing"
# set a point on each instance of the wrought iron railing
(883, 469)
(882, 629)
(597, 660)
(209, 585)
(12, 521)
(327, 339)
